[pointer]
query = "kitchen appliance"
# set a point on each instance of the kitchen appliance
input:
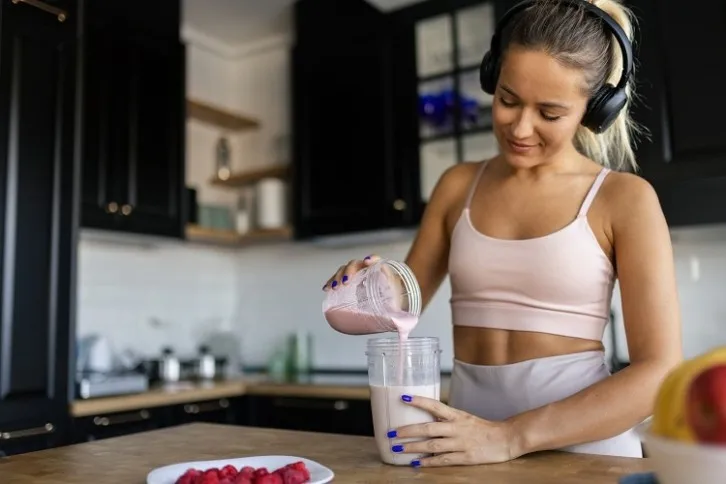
(93, 384)
(169, 366)
(206, 365)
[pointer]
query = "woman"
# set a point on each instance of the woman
(533, 240)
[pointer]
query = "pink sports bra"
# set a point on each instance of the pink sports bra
(560, 283)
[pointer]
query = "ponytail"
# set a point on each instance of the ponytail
(614, 148)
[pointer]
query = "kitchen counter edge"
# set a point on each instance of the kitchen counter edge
(181, 394)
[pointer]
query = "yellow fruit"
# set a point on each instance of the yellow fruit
(669, 413)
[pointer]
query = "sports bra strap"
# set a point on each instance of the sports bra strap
(593, 191)
(475, 183)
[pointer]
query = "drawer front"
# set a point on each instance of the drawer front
(104, 426)
(22, 437)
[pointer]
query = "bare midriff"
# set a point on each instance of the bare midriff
(486, 346)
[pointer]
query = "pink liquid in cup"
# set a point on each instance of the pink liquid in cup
(351, 322)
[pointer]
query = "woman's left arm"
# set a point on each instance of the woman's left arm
(651, 314)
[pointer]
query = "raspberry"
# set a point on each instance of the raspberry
(210, 476)
(188, 477)
(300, 466)
(293, 476)
(261, 472)
(243, 479)
(270, 479)
(228, 471)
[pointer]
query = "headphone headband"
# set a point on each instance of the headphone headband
(606, 20)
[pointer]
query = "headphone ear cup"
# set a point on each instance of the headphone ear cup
(603, 108)
(487, 74)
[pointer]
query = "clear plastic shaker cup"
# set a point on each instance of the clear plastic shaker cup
(397, 368)
(373, 298)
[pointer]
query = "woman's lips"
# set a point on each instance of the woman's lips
(520, 147)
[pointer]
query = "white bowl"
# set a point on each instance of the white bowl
(319, 474)
(676, 462)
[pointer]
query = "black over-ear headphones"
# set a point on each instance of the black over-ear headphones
(606, 103)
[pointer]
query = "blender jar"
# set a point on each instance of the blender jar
(396, 368)
(374, 295)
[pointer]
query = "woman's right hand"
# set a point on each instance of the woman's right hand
(346, 271)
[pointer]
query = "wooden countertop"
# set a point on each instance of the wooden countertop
(352, 388)
(353, 459)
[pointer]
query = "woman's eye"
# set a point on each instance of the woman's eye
(548, 117)
(506, 102)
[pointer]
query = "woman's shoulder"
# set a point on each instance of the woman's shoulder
(629, 195)
(455, 181)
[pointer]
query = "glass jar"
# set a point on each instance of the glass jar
(395, 368)
(375, 300)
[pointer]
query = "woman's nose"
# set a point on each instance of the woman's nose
(522, 126)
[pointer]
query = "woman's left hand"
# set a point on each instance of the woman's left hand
(457, 438)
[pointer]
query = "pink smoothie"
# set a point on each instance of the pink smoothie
(352, 322)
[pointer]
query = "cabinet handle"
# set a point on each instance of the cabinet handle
(60, 13)
(112, 207)
(119, 419)
(399, 205)
(194, 408)
(338, 405)
(15, 434)
(127, 209)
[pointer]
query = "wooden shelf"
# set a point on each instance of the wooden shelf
(195, 233)
(241, 179)
(220, 117)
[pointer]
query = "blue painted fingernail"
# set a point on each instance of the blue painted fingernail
(345, 278)
(406, 398)
(367, 257)
(397, 448)
(415, 463)
(391, 434)
(335, 283)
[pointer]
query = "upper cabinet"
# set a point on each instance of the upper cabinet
(38, 97)
(382, 112)
(346, 172)
(134, 119)
(683, 101)
(454, 115)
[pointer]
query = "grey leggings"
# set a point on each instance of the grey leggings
(499, 392)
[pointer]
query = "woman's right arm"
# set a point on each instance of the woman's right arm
(428, 257)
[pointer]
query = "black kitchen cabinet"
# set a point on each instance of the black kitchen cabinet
(340, 416)
(104, 426)
(346, 172)
(683, 102)
(222, 411)
(134, 118)
(38, 163)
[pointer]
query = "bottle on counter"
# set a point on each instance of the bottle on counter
(169, 366)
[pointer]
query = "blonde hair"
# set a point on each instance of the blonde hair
(575, 38)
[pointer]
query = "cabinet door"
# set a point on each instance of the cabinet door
(105, 104)
(343, 151)
(98, 427)
(680, 80)
(339, 416)
(133, 164)
(223, 411)
(154, 165)
(37, 243)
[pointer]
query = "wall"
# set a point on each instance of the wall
(263, 293)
